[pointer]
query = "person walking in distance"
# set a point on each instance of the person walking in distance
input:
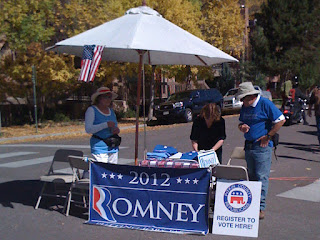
(315, 100)
(259, 119)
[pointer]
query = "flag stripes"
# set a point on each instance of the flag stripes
(91, 59)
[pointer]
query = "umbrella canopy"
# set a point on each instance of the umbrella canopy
(142, 28)
(143, 36)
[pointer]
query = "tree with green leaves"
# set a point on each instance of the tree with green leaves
(286, 40)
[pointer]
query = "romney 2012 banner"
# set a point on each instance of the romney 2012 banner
(154, 199)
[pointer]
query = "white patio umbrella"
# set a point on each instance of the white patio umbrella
(143, 36)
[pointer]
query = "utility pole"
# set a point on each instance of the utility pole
(34, 96)
(0, 124)
(246, 19)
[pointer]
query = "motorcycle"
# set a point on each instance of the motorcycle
(294, 111)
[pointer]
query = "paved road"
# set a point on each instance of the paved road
(293, 202)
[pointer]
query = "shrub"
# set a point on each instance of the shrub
(60, 117)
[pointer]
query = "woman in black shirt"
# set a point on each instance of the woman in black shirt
(208, 130)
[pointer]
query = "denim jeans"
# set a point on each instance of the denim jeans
(318, 127)
(259, 164)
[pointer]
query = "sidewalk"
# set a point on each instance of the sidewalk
(29, 137)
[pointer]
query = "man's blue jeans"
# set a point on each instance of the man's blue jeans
(318, 127)
(259, 165)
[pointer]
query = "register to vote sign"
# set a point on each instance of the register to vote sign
(236, 210)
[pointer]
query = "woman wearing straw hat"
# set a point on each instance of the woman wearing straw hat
(259, 119)
(101, 121)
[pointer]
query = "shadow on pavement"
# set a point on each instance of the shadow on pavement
(26, 192)
(314, 133)
(297, 158)
(312, 148)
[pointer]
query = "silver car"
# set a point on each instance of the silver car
(230, 103)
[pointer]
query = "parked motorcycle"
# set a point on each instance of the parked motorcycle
(294, 111)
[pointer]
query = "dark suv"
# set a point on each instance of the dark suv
(184, 105)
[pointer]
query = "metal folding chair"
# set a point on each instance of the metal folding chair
(79, 186)
(56, 178)
(237, 153)
(230, 172)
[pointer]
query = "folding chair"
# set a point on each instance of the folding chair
(56, 178)
(228, 172)
(79, 186)
(237, 153)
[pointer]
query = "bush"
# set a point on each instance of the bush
(60, 117)
(128, 114)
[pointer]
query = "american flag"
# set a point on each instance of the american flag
(90, 62)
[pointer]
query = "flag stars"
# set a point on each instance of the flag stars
(112, 176)
(104, 175)
(179, 180)
(195, 181)
(187, 181)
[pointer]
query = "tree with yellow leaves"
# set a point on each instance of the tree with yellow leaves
(54, 78)
(223, 26)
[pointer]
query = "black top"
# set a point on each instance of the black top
(207, 137)
(298, 94)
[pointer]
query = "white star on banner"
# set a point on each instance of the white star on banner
(187, 181)
(112, 176)
(195, 181)
(104, 175)
(120, 176)
(179, 180)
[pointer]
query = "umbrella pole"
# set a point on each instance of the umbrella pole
(144, 114)
(141, 53)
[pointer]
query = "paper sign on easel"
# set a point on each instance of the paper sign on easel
(236, 208)
(207, 158)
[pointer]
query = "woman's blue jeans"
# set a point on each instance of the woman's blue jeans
(259, 164)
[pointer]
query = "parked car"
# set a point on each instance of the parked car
(230, 103)
(184, 105)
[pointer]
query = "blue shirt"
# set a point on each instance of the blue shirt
(259, 118)
(99, 146)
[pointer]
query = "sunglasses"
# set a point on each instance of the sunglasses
(108, 96)
(248, 97)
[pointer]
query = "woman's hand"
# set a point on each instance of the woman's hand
(115, 130)
(111, 124)
(194, 145)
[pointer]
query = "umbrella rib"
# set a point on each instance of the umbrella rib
(201, 60)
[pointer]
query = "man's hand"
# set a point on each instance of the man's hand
(264, 141)
(244, 128)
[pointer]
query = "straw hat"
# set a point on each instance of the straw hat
(245, 89)
(103, 90)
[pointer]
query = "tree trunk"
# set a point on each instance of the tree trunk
(150, 114)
